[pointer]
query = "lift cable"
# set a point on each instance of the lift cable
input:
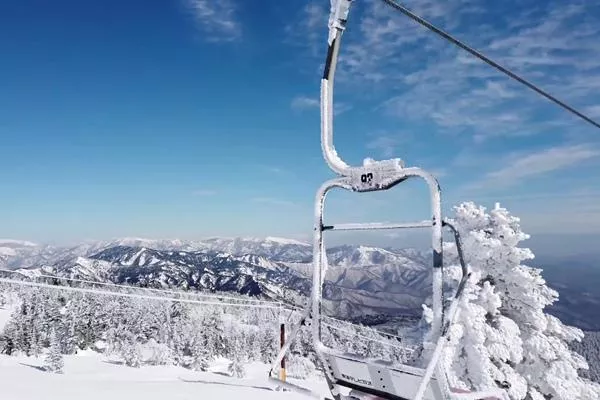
(450, 38)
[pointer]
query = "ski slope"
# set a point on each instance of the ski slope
(93, 376)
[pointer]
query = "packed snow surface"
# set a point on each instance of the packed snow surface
(93, 376)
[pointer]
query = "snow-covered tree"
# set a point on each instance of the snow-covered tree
(238, 358)
(54, 361)
(503, 337)
(590, 348)
(131, 351)
(299, 367)
(158, 353)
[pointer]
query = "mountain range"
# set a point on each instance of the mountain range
(362, 283)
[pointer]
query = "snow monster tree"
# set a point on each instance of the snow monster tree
(503, 336)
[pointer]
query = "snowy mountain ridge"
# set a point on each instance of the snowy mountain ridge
(363, 280)
(360, 281)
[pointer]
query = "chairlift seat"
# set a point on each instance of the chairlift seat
(378, 377)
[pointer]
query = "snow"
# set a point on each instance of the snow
(7, 251)
(135, 257)
(23, 243)
(92, 376)
(153, 260)
(285, 241)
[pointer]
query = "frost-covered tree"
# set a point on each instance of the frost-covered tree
(158, 353)
(131, 351)
(503, 337)
(299, 367)
(167, 332)
(238, 358)
(54, 361)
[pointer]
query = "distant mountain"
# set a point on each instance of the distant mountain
(9, 249)
(379, 282)
(577, 280)
(362, 283)
(276, 249)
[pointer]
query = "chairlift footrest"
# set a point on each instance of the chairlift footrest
(366, 226)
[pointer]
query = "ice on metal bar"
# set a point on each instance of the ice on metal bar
(338, 12)
(380, 225)
(376, 175)
(392, 163)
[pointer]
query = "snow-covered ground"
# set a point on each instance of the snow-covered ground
(92, 376)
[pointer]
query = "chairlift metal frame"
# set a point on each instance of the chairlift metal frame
(366, 377)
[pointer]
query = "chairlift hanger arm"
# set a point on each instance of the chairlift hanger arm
(481, 56)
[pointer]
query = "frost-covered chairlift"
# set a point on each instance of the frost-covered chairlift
(367, 378)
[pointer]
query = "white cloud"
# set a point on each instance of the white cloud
(308, 30)
(339, 107)
(217, 19)
(304, 102)
(593, 111)
(387, 144)
(519, 166)
(542, 162)
(552, 45)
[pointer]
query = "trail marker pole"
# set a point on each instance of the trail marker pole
(282, 343)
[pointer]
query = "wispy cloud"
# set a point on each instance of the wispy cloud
(593, 111)
(522, 166)
(304, 102)
(308, 29)
(217, 19)
(273, 201)
(339, 108)
(550, 44)
(389, 144)
(543, 162)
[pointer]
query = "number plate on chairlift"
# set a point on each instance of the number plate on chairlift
(378, 175)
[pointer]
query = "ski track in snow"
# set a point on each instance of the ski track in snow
(93, 376)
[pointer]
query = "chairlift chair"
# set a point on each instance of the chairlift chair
(368, 378)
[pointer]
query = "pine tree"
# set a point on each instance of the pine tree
(239, 359)
(54, 361)
(160, 353)
(131, 351)
(237, 351)
(503, 337)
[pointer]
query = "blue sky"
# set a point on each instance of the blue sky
(194, 118)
